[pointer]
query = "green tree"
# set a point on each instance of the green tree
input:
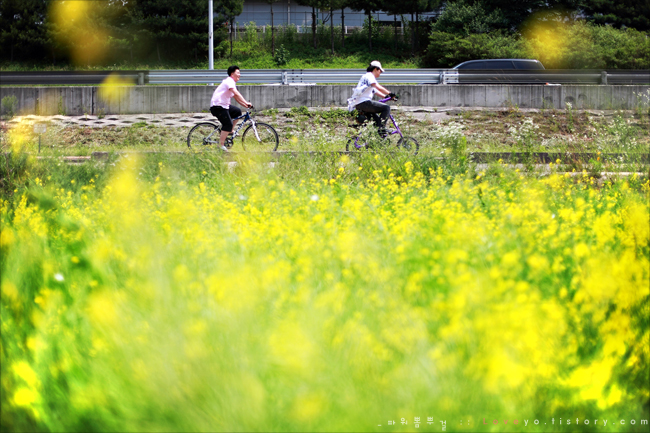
(506, 14)
(270, 2)
(228, 10)
(314, 4)
(333, 5)
(23, 33)
(415, 8)
(619, 13)
(368, 7)
(180, 26)
(448, 49)
(464, 17)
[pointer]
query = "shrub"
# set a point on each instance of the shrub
(447, 49)
(465, 19)
(9, 105)
(578, 45)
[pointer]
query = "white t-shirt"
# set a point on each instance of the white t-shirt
(364, 90)
(221, 96)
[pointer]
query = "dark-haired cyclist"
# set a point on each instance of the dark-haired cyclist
(361, 99)
(220, 104)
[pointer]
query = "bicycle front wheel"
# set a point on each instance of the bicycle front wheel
(260, 137)
(352, 144)
(408, 144)
(203, 134)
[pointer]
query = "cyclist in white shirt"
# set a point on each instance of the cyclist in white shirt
(361, 99)
(220, 104)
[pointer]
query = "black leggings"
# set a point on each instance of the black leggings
(225, 116)
(374, 107)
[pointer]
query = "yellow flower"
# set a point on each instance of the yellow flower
(25, 397)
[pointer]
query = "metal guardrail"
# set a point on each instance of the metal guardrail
(555, 76)
(291, 76)
(351, 76)
(69, 77)
(192, 76)
(335, 76)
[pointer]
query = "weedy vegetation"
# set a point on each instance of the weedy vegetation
(323, 292)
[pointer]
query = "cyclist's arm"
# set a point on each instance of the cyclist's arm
(239, 98)
(380, 89)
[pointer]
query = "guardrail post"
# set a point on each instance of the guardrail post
(284, 77)
(603, 77)
(140, 78)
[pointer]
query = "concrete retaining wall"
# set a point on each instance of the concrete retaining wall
(178, 99)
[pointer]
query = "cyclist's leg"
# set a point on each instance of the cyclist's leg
(383, 110)
(226, 122)
(234, 112)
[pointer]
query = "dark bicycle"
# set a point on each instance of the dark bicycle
(257, 135)
(408, 144)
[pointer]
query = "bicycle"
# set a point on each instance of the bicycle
(409, 144)
(255, 135)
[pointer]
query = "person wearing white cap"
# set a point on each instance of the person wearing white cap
(361, 99)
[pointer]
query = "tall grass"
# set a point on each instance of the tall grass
(171, 294)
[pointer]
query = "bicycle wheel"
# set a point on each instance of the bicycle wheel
(203, 134)
(409, 144)
(350, 147)
(266, 137)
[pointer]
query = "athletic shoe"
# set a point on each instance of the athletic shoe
(224, 148)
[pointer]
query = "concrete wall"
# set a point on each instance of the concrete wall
(178, 99)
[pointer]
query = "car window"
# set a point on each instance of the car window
(528, 65)
(473, 65)
(499, 64)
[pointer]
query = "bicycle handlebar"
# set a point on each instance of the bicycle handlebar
(389, 98)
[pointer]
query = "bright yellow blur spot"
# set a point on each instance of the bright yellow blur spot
(19, 136)
(113, 88)
(76, 27)
(548, 39)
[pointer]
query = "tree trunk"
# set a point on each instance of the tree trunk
(395, 31)
(313, 26)
(158, 50)
(231, 30)
(417, 32)
(332, 27)
(369, 32)
(412, 37)
(343, 28)
(272, 34)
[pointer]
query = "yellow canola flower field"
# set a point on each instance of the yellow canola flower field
(256, 303)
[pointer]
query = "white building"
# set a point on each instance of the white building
(288, 12)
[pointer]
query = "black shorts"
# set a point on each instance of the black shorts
(225, 116)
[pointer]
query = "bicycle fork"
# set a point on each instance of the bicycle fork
(257, 136)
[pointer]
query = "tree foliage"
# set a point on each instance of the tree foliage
(464, 17)
(619, 13)
(583, 46)
(23, 34)
(367, 6)
(106, 31)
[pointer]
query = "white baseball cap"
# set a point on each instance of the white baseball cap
(377, 64)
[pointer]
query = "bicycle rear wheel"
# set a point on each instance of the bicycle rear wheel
(203, 134)
(265, 139)
(408, 144)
